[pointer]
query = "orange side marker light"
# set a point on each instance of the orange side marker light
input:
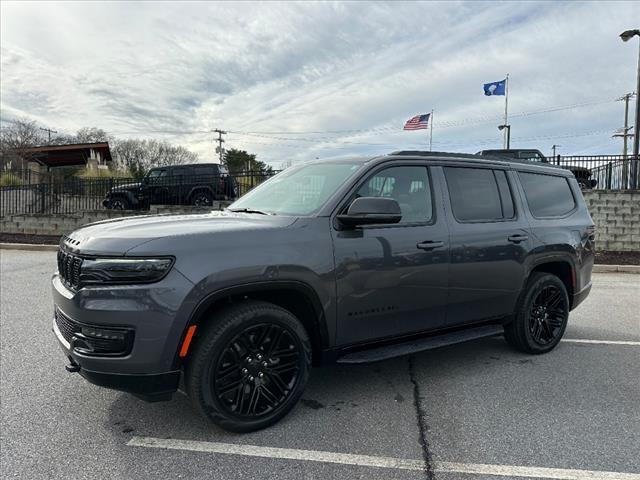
(187, 341)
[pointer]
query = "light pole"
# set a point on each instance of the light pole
(508, 127)
(626, 36)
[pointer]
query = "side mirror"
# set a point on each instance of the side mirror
(370, 211)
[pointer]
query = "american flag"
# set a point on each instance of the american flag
(418, 122)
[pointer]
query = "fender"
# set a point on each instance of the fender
(128, 194)
(321, 330)
(538, 259)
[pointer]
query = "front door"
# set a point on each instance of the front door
(489, 244)
(392, 279)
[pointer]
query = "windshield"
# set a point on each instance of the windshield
(299, 190)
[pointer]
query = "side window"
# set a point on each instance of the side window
(205, 170)
(155, 176)
(547, 195)
(479, 194)
(179, 173)
(409, 186)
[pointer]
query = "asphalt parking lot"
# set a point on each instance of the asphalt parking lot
(472, 411)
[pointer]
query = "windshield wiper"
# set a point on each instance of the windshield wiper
(249, 210)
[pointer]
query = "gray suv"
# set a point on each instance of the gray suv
(351, 260)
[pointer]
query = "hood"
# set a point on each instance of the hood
(126, 186)
(117, 236)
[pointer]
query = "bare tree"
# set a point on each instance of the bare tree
(138, 156)
(15, 139)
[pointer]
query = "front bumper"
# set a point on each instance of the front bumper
(156, 314)
(580, 296)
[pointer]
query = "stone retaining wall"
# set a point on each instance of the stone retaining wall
(52, 224)
(617, 218)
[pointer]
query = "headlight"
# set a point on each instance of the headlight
(100, 271)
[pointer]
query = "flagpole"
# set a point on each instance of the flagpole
(431, 130)
(506, 115)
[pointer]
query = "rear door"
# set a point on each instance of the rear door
(489, 243)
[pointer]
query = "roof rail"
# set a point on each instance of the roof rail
(422, 153)
(469, 156)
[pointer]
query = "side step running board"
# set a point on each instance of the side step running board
(429, 343)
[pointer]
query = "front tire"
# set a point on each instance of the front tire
(541, 316)
(120, 203)
(249, 366)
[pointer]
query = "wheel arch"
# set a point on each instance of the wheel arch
(560, 266)
(200, 188)
(296, 297)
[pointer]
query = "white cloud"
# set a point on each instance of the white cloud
(140, 69)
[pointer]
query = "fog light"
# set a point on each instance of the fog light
(103, 334)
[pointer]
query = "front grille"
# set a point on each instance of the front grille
(69, 268)
(66, 326)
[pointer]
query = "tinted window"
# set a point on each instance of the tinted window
(547, 195)
(179, 172)
(474, 194)
(409, 186)
(205, 170)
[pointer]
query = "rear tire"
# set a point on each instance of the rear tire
(249, 366)
(541, 315)
(202, 199)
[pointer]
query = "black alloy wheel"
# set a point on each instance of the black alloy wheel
(202, 199)
(547, 315)
(541, 315)
(257, 371)
(249, 365)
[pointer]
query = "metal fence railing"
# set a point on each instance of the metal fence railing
(75, 194)
(603, 172)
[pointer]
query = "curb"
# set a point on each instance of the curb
(616, 269)
(28, 246)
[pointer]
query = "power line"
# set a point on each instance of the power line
(448, 124)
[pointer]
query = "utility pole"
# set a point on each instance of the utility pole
(626, 36)
(553, 147)
(220, 141)
(49, 131)
(625, 130)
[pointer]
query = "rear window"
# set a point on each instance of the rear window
(547, 195)
(479, 194)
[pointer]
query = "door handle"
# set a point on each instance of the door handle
(517, 238)
(430, 245)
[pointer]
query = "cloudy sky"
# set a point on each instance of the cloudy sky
(296, 81)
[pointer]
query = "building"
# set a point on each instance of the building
(41, 160)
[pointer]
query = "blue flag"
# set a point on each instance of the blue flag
(495, 88)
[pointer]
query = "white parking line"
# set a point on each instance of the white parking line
(374, 461)
(603, 342)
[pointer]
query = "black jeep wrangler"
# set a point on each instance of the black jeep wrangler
(198, 184)
(582, 174)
